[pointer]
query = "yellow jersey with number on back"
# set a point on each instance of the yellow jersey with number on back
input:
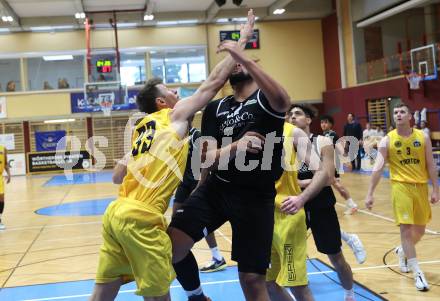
(406, 156)
(157, 164)
(287, 184)
(2, 160)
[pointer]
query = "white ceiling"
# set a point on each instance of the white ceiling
(32, 13)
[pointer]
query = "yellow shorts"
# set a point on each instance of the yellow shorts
(136, 246)
(2, 185)
(410, 203)
(289, 250)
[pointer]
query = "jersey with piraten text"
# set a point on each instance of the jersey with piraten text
(407, 158)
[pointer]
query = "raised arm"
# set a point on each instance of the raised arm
(215, 81)
(322, 177)
(377, 170)
(430, 166)
(278, 98)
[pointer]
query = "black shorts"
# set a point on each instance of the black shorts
(325, 228)
(250, 212)
(183, 191)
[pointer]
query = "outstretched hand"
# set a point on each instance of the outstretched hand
(247, 30)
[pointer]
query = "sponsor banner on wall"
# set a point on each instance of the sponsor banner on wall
(51, 161)
(79, 103)
(8, 141)
(3, 107)
(47, 141)
(17, 164)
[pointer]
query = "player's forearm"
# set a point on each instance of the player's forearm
(215, 156)
(433, 177)
(375, 178)
(319, 181)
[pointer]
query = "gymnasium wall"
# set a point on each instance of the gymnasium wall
(291, 51)
(339, 103)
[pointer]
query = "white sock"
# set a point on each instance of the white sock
(349, 292)
(216, 253)
(413, 264)
(351, 202)
(345, 236)
(196, 292)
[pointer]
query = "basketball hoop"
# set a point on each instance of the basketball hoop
(106, 107)
(414, 80)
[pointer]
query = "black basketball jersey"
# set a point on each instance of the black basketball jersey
(188, 177)
(325, 198)
(228, 118)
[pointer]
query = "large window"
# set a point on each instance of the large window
(55, 72)
(10, 75)
(133, 68)
(179, 66)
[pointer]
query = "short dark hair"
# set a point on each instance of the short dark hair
(308, 110)
(327, 118)
(146, 99)
(401, 104)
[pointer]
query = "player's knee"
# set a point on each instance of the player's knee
(252, 281)
(181, 242)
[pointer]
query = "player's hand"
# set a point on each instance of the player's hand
(8, 178)
(434, 197)
(292, 204)
(369, 200)
(228, 46)
(251, 142)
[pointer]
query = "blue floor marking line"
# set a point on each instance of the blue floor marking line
(80, 178)
(88, 207)
(220, 286)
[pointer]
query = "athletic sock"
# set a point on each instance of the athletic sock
(216, 254)
(187, 273)
(349, 292)
(413, 265)
(345, 236)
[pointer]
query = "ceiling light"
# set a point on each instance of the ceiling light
(220, 2)
(5, 30)
(59, 120)
(187, 21)
(279, 11)
(80, 15)
(67, 57)
(223, 20)
(7, 19)
(149, 17)
(239, 19)
(167, 23)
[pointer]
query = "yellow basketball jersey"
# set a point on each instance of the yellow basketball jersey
(158, 163)
(407, 157)
(2, 159)
(287, 184)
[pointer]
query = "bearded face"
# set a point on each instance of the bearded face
(239, 77)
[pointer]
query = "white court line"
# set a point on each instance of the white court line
(224, 236)
(231, 281)
(385, 218)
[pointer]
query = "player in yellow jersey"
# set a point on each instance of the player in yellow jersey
(409, 153)
(136, 246)
(289, 243)
(3, 167)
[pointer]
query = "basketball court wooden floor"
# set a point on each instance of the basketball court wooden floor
(50, 248)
